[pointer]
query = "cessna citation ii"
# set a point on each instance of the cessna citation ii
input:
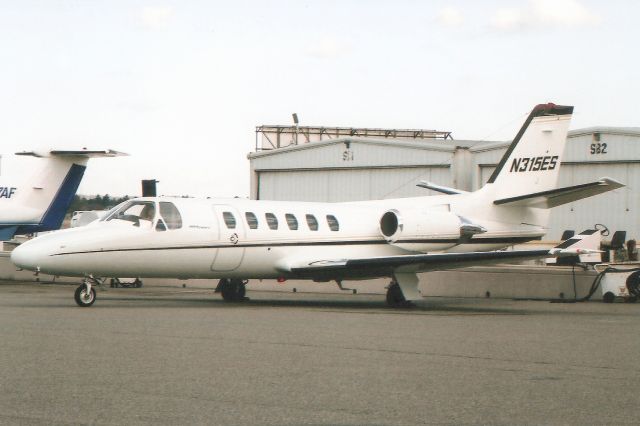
(236, 239)
(40, 203)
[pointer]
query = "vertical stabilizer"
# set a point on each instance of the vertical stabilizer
(532, 162)
(41, 202)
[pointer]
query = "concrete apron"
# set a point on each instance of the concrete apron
(507, 281)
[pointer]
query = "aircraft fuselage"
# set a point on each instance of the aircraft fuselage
(228, 238)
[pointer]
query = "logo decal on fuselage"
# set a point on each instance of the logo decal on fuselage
(234, 238)
(6, 192)
(534, 164)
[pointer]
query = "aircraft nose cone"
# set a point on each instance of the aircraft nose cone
(24, 257)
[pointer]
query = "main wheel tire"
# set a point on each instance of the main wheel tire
(608, 297)
(395, 298)
(232, 290)
(241, 291)
(226, 290)
(84, 299)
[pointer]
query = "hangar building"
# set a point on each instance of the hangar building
(347, 164)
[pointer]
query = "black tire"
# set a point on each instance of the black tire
(608, 297)
(241, 291)
(226, 290)
(633, 284)
(83, 299)
(395, 297)
(232, 290)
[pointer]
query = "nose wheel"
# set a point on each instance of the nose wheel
(85, 294)
(84, 297)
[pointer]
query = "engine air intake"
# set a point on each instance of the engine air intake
(420, 230)
(389, 223)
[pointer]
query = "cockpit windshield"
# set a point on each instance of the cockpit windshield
(145, 214)
(141, 213)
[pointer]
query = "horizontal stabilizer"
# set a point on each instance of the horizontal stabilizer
(560, 196)
(85, 153)
(439, 188)
(586, 242)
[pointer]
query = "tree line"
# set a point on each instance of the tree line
(97, 202)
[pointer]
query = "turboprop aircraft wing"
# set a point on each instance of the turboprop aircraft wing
(586, 242)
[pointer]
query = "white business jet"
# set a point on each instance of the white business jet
(41, 202)
(236, 239)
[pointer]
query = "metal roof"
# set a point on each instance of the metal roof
(447, 145)
(626, 131)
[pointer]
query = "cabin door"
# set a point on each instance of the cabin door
(231, 235)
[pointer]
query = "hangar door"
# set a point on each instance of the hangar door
(349, 184)
(485, 174)
(618, 209)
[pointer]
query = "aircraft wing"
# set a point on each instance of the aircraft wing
(557, 197)
(584, 243)
(388, 265)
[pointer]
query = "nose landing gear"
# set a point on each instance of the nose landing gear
(85, 294)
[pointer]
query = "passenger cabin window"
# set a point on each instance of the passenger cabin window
(272, 220)
(333, 222)
(291, 221)
(170, 215)
(312, 222)
(252, 220)
(229, 220)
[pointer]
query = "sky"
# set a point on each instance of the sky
(181, 85)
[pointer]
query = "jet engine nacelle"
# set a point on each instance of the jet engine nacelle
(421, 230)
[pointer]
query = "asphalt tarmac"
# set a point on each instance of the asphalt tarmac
(179, 356)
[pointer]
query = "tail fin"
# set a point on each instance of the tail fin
(41, 202)
(532, 162)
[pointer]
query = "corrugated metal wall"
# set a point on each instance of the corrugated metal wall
(350, 170)
(348, 185)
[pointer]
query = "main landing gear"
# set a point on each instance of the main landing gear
(395, 298)
(85, 294)
(232, 290)
(403, 290)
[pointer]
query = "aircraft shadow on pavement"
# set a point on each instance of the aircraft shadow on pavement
(305, 301)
